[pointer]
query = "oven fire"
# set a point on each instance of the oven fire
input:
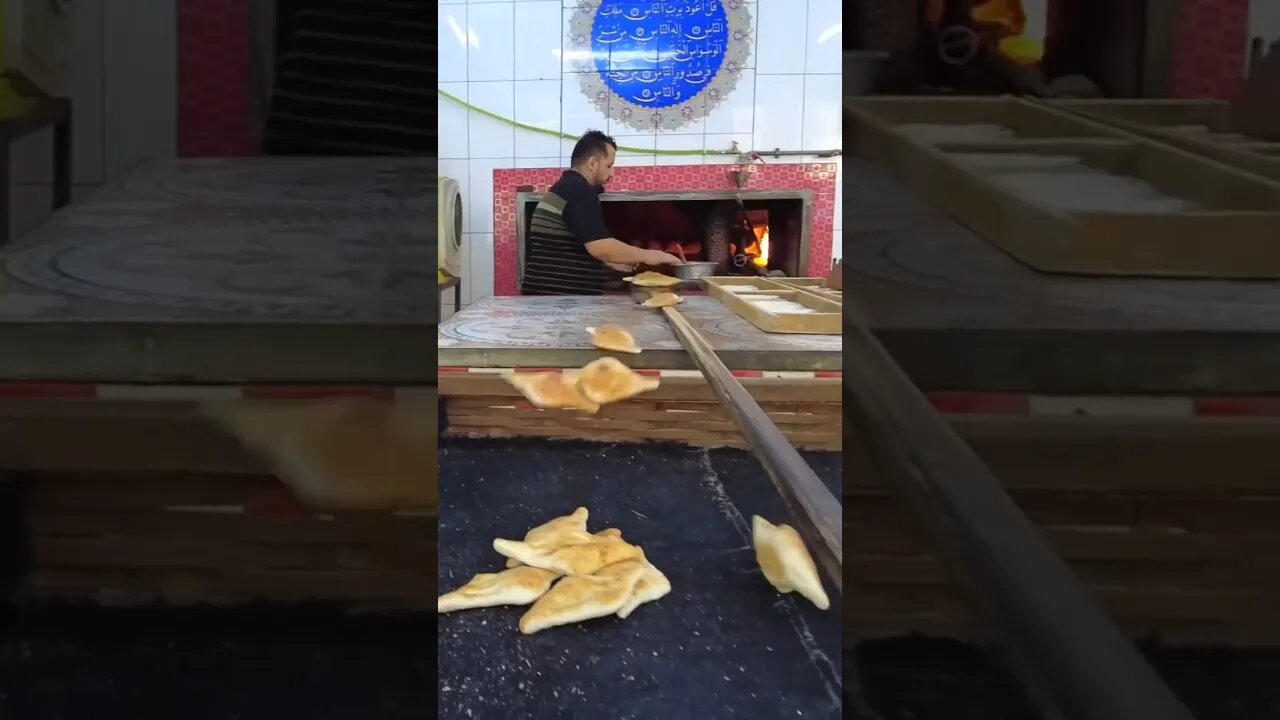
(1011, 29)
(757, 248)
(749, 250)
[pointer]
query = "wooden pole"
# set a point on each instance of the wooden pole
(818, 513)
(1069, 653)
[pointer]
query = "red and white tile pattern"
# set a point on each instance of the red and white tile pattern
(1209, 48)
(772, 374)
(946, 402)
(205, 393)
(213, 79)
(819, 178)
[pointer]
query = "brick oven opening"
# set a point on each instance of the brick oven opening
(764, 234)
(1045, 48)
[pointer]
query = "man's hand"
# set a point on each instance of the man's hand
(657, 257)
(621, 267)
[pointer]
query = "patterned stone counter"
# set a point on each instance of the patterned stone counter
(213, 271)
(795, 378)
(552, 332)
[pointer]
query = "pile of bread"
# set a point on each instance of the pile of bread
(567, 574)
(603, 381)
(570, 575)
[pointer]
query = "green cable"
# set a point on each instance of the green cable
(566, 136)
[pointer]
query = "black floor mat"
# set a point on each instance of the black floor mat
(931, 679)
(723, 644)
(95, 664)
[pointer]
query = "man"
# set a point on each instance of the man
(568, 244)
(352, 80)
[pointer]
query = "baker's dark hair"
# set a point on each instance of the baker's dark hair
(592, 143)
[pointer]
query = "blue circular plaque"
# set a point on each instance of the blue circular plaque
(659, 64)
(659, 54)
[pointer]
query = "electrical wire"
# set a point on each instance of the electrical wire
(754, 156)
(566, 136)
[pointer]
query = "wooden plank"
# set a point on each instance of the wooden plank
(691, 437)
(867, 508)
(418, 533)
(126, 444)
(1243, 209)
(897, 536)
(1061, 640)
(1154, 455)
(1149, 606)
(407, 590)
(825, 320)
(870, 569)
(815, 390)
(199, 553)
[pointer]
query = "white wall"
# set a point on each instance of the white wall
(1264, 22)
(117, 61)
(11, 20)
(789, 98)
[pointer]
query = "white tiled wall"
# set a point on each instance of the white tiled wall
(117, 62)
(507, 57)
(1264, 21)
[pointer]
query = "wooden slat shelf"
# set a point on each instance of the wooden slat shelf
(1071, 194)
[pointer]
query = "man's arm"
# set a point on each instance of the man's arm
(585, 219)
(615, 252)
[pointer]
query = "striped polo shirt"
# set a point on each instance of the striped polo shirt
(352, 79)
(556, 261)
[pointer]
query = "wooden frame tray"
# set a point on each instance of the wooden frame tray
(971, 157)
(1203, 127)
(815, 285)
(826, 321)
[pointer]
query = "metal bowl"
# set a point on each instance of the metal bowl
(694, 270)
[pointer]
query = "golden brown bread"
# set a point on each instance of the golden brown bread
(551, 390)
(613, 337)
(651, 586)
(663, 299)
(608, 380)
(583, 597)
(559, 531)
(344, 453)
(517, 586)
(648, 278)
(786, 562)
(577, 559)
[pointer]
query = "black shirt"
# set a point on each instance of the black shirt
(352, 80)
(557, 262)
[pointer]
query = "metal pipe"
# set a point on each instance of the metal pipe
(778, 152)
(1070, 655)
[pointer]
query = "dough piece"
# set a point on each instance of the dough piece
(584, 597)
(518, 586)
(663, 299)
(578, 559)
(607, 380)
(603, 534)
(551, 390)
(786, 562)
(651, 586)
(551, 530)
(648, 278)
(341, 454)
(614, 338)
(564, 530)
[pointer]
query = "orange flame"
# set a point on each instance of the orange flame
(1022, 34)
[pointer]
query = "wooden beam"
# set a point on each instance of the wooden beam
(1070, 654)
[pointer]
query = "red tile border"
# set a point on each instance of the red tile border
(1209, 48)
(213, 79)
(818, 178)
